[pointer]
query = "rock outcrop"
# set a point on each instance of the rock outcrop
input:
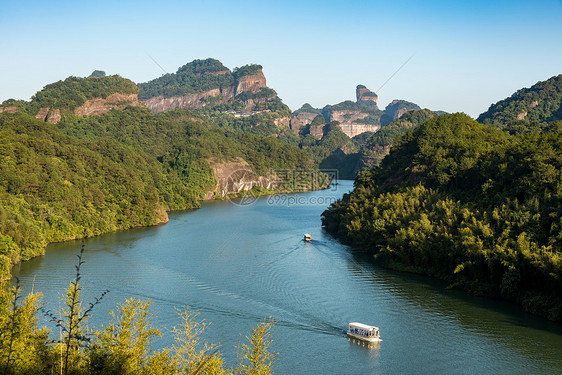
(363, 94)
(351, 130)
(159, 104)
(249, 83)
(296, 124)
(92, 107)
(317, 130)
(306, 117)
(54, 116)
(349, 122)
(99, 106)
(396, 109)
(8, 109)
(42, 114)
(236, 177)
(282, 122)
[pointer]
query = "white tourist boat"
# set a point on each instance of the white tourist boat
(307, 237)
(363, 332)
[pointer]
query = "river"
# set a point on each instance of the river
(238, 264)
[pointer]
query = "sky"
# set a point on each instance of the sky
(460, 56)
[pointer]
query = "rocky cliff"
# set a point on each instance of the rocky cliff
(250, 83)
(99, 106)
(396, 109)
(92, 107)
(191, 101)
(351, 130)
(206, 82)
(527, 108)
(10, 109)
(357, 117)
(349, 123)
(236, 177)
(363, 94)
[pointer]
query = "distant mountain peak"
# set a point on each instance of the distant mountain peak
(363, 94)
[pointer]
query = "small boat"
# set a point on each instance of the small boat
(307, 237)
(363, 332)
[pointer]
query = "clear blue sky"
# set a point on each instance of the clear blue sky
(466, 55)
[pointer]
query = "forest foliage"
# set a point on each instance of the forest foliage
(527, 109)
(195, 77)
(123, 169)
(74, 91)
(466, 203)
(122, 346)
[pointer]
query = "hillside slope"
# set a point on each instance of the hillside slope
(469, 204)
(528, 108)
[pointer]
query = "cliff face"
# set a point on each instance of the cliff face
(348, 122)
(249, 83)
(306, 117)
(237, 177)
(99, 106)
(252, 83)
(192, 101)
(364, 94)
(351, 130)
(317, 130)
(296, 124)
(91, 107)
(396, 109)
(8, 109)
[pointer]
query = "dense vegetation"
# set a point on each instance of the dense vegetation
(54, 187)
(123, 346)
(247, 70)
(182, 141)
(194, 77)
(393, 110)
(123, 169)
(333, 151)
(74, 91)
(307, 108)
(467, 203)
(527, 109)
(370, 108)
(378, 145)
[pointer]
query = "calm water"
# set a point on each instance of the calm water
(237, 265)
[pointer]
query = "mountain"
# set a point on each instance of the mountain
(121, 166)
(359, 116)
(378, 145)
(396, 109)
(209, 83)
(237, 99)
(94, 95)
(528, 108)
(469, 204)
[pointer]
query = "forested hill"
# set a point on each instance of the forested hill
(196, 76)
(529, 108)
(467, 203)
(72, 92)
(122, 169)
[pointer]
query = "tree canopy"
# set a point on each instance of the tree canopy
(467, 203)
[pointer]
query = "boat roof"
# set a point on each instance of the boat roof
(362, 326)
(307, 235)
